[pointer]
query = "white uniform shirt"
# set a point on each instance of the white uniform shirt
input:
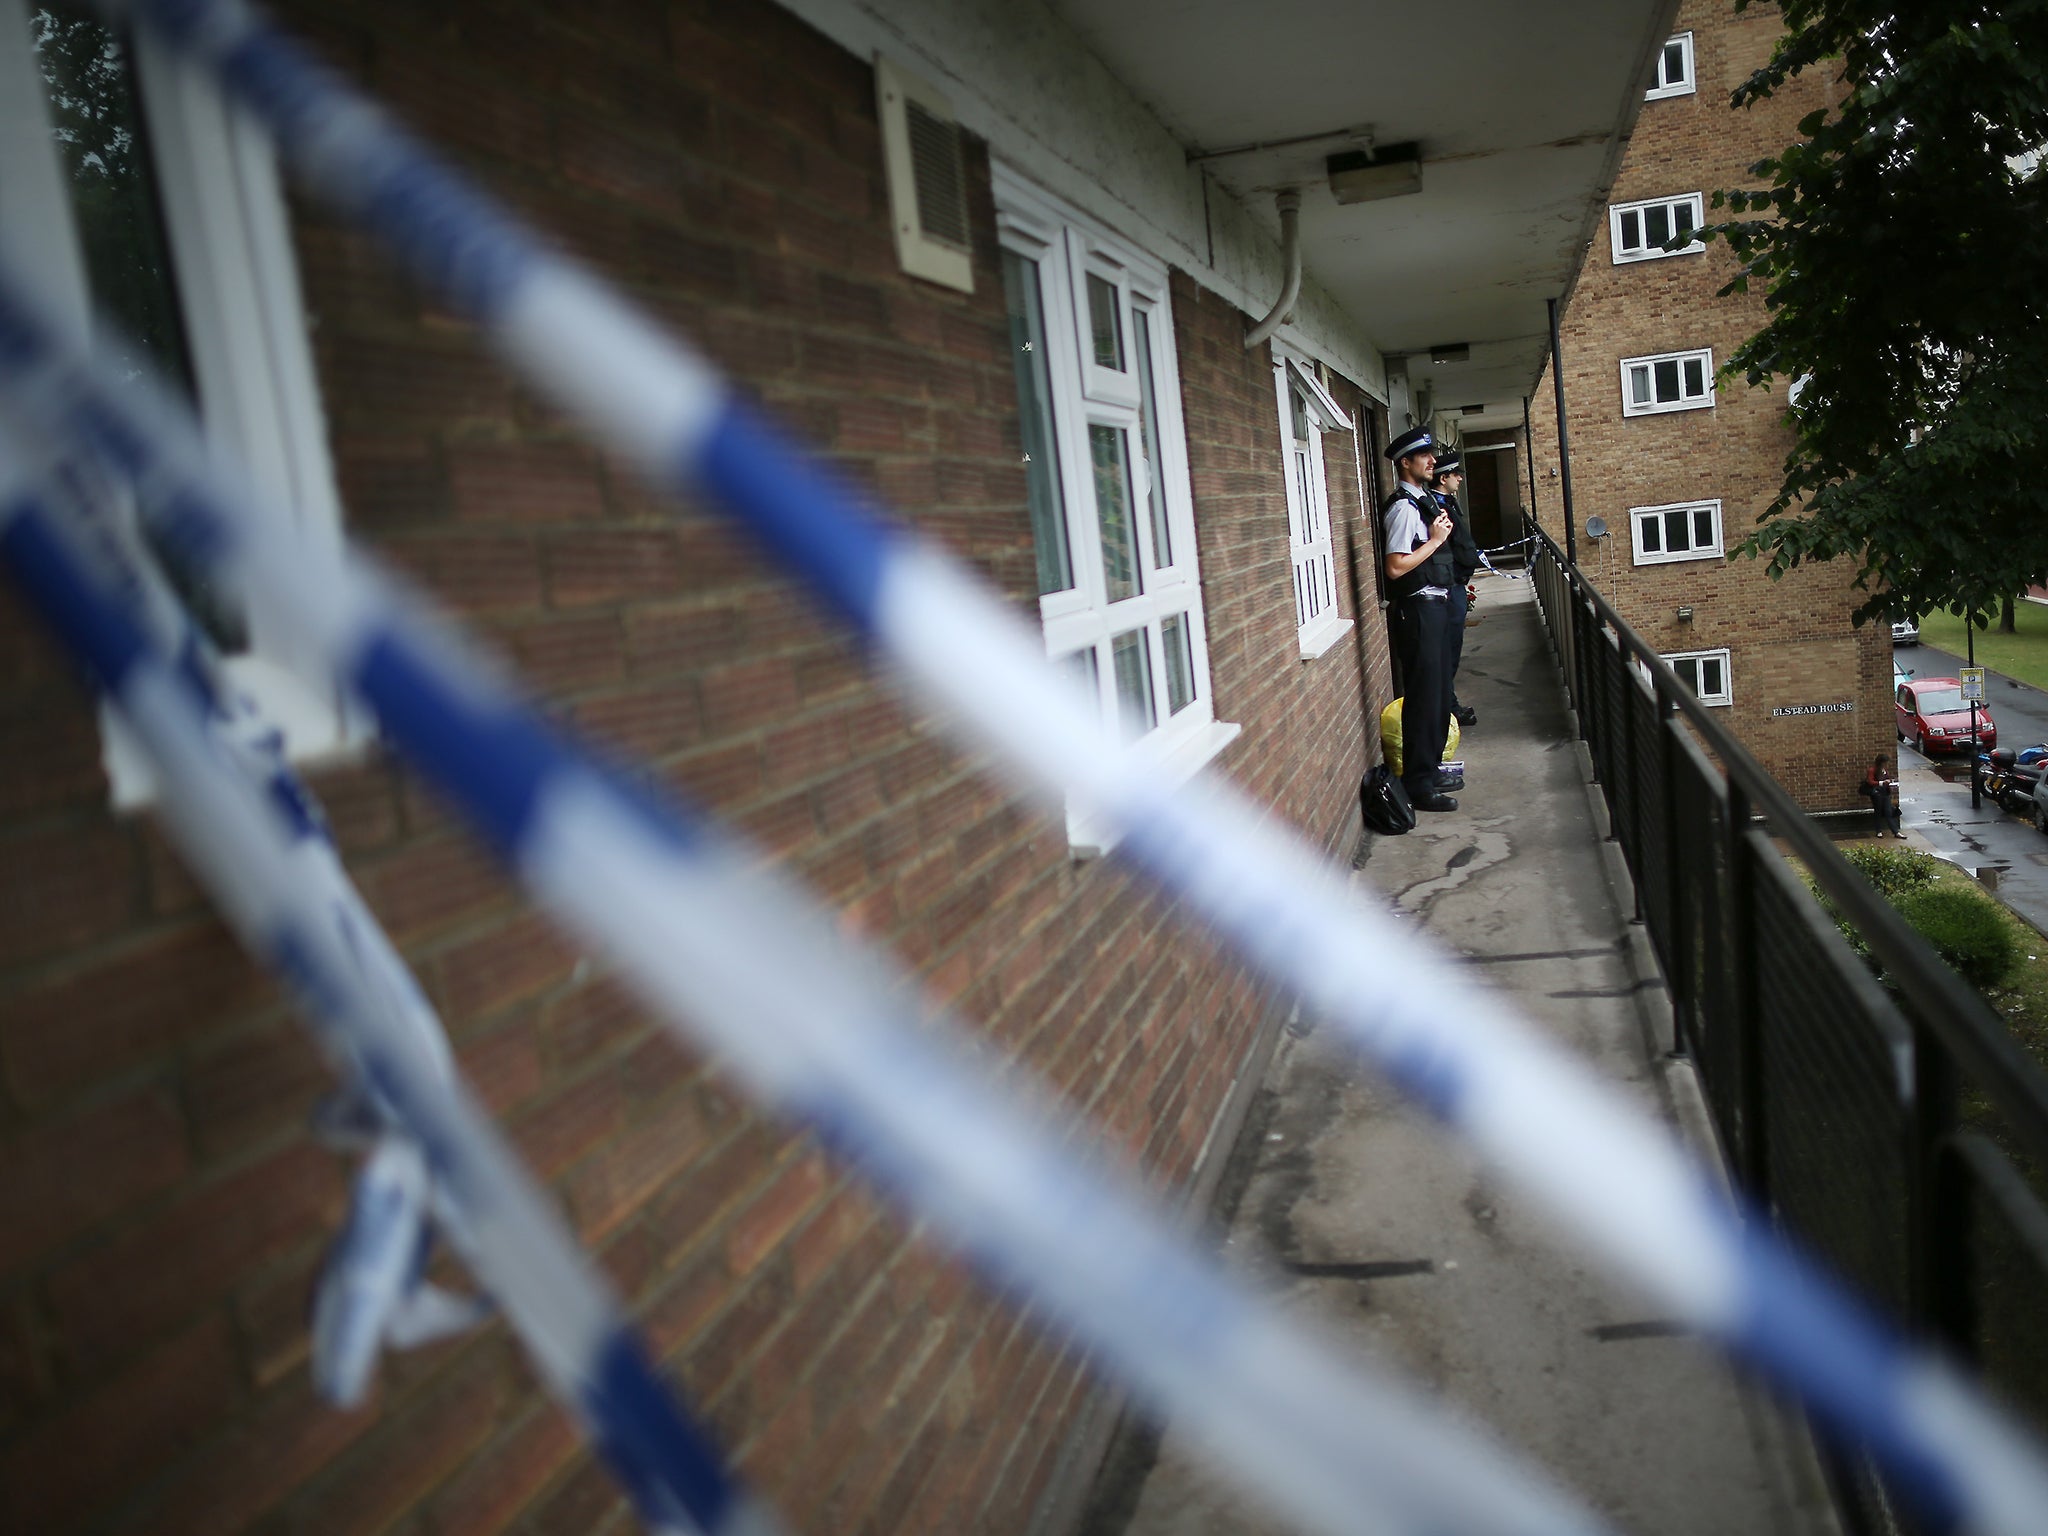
(1407, 530)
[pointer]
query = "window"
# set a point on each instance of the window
(1307, 411)
(1705, 673)
(1674, 70)
(133, 192)
(1683, 530)
(1671, 381)
(1638, 231)
(1112, 515)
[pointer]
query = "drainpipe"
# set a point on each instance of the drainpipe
(1289, 204)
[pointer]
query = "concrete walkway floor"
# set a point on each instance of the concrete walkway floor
(1369, 1221)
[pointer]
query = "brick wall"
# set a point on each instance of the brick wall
(162, 1207)
(1791, 641)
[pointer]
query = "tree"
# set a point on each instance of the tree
(1902, 248)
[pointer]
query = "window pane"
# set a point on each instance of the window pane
(1111, 456)
(1304, 483)
(1102, 323)
(1695, 378)
(97, 122)
(1631, 231)
(1710, 677)
(1674, 63)
(1667, 380)
(1688, 670)
(1298, 414)
(1148, 424)
(1639, 384)
(1084, 667)
(1650, 530)
(1674, 531)
(1682, 214)
(1133, 683)
(1703, 528)
(1180, 663)
(1657, 222)
(1034, 405)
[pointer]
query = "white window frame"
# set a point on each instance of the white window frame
(1638, 516)
(1682, 87)
(1694, 202)
(1726, 696)
(1081, 620)
(1319, 623)
(1705, 357)
(229, 241)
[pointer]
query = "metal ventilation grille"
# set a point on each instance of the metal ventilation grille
(940, 177)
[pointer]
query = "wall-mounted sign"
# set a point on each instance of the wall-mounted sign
(1842, 708)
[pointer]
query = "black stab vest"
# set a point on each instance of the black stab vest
(1433, 572)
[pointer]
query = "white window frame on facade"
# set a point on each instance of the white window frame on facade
(1693, 204)
(1092, 404)
(1644, 521)
(1687, 82)
(1704, 356)
(1318, 620)
(229, 245)
(1726, 695)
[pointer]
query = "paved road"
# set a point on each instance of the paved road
(1934, 797)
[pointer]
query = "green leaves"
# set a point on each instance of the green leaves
(1905, 268)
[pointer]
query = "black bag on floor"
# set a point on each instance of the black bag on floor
(1384, 802)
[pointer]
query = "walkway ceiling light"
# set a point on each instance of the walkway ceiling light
(1366, 175)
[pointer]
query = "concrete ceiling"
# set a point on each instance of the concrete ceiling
(1519, 107)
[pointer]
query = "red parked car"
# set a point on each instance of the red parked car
(1932, 715)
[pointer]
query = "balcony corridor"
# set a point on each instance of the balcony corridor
(1372, 1223)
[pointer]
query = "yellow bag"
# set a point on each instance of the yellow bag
(1390, 737)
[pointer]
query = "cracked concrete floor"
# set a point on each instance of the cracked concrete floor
(1363, 1217)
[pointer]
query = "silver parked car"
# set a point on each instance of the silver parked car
(1905, 632)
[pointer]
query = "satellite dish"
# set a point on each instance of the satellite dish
(1596, 527)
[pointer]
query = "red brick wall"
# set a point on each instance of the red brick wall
(1791, 641)
(162, 1207)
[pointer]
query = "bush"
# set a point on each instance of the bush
(1893, 871)
(1966, 928)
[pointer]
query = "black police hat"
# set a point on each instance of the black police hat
(1449, 463)
(1414, 440)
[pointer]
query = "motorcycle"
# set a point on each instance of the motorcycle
(2009, 776)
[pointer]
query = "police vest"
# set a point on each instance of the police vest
(1433, 572)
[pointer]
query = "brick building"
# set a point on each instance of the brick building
(1679, 464)
(1073, 408)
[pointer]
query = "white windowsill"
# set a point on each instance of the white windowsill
(1088, 839)
(1318, 639)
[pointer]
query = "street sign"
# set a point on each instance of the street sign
(1973, 685)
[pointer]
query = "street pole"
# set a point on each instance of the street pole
(1976, 747)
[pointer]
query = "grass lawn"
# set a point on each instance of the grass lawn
(2023, 655)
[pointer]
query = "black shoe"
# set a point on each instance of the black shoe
(1435, 800)
(1465, 714)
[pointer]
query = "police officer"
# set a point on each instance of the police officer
(1419, 580)
(1450, 478)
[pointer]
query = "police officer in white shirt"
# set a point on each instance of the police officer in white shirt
(1419, 581)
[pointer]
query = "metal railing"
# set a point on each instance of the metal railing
(1894, 1127)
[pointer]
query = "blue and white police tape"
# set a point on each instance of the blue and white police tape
(373, 1292)
(811, 1024)
(1620, 1182)
(248, 848)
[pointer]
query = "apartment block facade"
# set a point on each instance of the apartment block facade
(1080, 419)
(1678, 463)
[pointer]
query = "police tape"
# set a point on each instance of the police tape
(1623, 1185)
(249, 833)
(760, 976)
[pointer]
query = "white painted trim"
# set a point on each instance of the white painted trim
(229, 244)
(1316, 642)
(1657, 407)
(1637, 515)
(1622, 257)
(1088, 839)
(1726, 696)
(1320, 401)
(1024, 80)
(1684, 87)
